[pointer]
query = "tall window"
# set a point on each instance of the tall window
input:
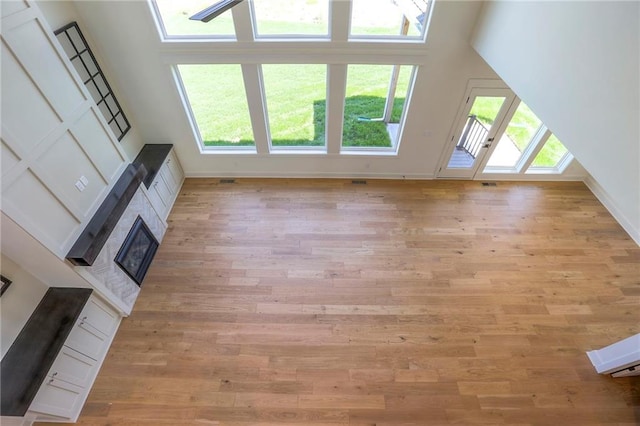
(374, 104)
(296, 104)
(256, 78)
(218, 104)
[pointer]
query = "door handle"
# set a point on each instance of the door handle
(488, 144)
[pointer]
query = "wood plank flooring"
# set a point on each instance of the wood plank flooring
(322, 302)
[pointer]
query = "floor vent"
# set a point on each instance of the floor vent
(227, 181)
(488, 184)
(359, 182)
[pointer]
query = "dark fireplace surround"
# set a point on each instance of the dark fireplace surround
(137, 251)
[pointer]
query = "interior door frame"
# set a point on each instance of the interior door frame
(477, 88)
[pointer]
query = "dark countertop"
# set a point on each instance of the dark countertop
(28, 360)
(152, 157)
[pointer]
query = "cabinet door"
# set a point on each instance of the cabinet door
(156, 200)
(161, 192)
(73, 367)
(163, 187)
(169, 179)
(87, 340)
(99, 316)
(91, 333)
(58, 398)
(175, 170)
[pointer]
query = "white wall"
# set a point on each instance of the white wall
(18, 302)
(577, 66)
(127, 38)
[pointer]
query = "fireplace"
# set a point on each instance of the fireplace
(137, 251)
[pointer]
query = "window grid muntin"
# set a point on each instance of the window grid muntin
(82, 64)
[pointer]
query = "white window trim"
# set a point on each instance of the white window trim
(337, 50)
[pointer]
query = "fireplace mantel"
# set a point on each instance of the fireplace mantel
(92, 239)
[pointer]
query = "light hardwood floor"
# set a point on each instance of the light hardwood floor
(322, 302)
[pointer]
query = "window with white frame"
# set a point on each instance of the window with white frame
(283, 104)
(385, 18)
(527, 146)
(553, 157)
(374, 103)
(296, 104)
(274, 18)
(218, 105)
(173, 17)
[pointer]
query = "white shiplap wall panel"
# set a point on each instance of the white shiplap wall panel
(10, 7)
(26, 114)
(52, 135)
(89, 128)
(38, 210)
(55, 165)
(34, 49)
(9, 159)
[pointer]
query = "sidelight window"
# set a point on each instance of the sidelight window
(552, 157)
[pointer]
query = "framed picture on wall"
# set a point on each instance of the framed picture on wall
(6, 282)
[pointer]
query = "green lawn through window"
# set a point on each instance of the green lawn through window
(296, 104)
(521, 129)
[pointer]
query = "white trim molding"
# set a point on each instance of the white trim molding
(610, 205)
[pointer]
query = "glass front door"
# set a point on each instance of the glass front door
(483, 112)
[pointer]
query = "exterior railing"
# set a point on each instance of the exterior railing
(473, 136)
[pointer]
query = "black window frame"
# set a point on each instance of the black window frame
(84, 61)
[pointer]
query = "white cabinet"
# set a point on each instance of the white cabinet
(72, 366)
(59, 398)
(92, 332)
(164, 189)
(68, 382)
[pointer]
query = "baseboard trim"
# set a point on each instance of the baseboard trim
(610, 205)
(321, 175)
